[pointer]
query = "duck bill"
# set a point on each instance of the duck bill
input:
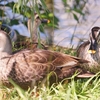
(93, 47)
(45, 21)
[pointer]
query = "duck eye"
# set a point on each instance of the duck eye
(38, 17)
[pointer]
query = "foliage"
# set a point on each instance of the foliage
(27, 8)
(76, 9)
(44, 8)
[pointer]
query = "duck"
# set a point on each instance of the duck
(90, 50)
(32, 42)
(28, 66)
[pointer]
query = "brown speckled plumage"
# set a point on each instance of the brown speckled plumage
(29, 66)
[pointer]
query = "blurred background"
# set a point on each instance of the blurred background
(70, 20)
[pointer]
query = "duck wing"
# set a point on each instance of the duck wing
(27, 66)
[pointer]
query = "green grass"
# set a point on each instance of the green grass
(76, 89)
(67, 89)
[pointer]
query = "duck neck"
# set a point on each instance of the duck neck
(33, 29)
(98, 49)
(86, 50)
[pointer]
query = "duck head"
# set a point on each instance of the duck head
(94, 39)
(38, 20)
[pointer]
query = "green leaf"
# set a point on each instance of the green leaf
(2, 13)
(16, 8)
(64, 1)
(10, 4)
(75, 17)
(51, 15)
(78, 11)
(41, 28)
(19, 89)
(37, 9)
(14, 22)
(44, 5)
